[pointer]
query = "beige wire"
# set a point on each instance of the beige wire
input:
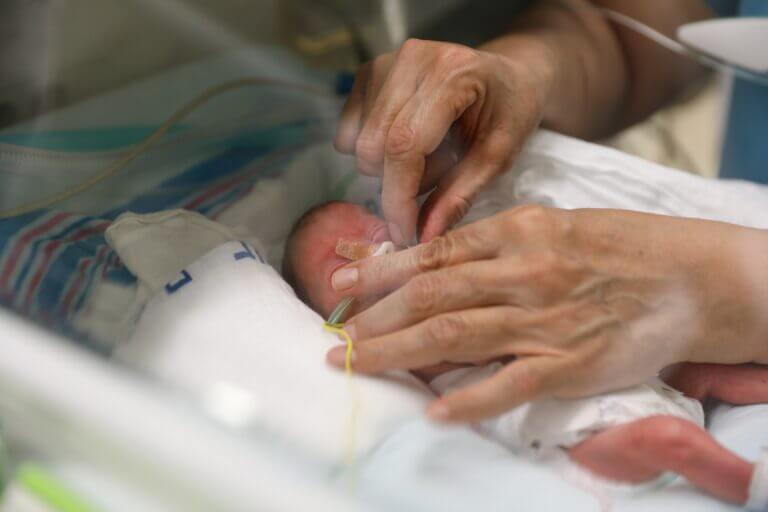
(154, 138)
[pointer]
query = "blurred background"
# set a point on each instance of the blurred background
(55, 53)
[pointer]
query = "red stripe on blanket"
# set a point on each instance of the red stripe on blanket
(76, 286)
(22, 242)
(49, 252)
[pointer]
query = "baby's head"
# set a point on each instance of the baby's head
(311, 258)
(310, 253)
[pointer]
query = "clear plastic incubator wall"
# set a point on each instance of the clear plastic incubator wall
(216, 117)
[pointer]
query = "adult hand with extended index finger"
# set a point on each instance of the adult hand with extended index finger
(451, 117)
(574, 302)
(440, 115)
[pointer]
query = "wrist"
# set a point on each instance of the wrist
(737, 289)
(532, 59)
(749, 254)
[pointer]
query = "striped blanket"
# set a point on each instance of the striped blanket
(50, 261)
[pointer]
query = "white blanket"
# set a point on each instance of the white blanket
(229, 330)
(206, 340)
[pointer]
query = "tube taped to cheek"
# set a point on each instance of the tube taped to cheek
(758, 485)
(384, 248)
(354, 251)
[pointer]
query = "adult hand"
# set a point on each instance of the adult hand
(440, 115)
(580, 302)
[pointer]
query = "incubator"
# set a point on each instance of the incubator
(210, 122)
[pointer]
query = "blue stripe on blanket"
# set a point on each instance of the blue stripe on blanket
(52, 292)
(68, 229)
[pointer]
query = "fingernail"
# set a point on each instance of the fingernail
(337, 356)
(344, 278)
(439, 412)
(396, 234)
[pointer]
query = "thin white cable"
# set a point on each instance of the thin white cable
(647, 31)
(679, 48)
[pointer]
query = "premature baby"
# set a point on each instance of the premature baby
(629, 436)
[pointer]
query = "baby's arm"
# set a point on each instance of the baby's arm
(736, 384)
(643, 449)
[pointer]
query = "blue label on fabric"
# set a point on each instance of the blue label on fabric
(248, 253)
(171, 288)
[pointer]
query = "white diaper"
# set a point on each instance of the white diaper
(539, 427)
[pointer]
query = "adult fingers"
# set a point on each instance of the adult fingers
(417, 132)
(381, 103)
(351, 114)
(451, 200)
(439, 163)
(393, 83)
(510, 281)
(467, 336)
(518, 382)
(373, 276)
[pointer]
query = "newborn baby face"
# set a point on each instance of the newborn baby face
(310, 256)
(311, 259)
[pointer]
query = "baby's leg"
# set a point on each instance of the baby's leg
(643, 449)
(736, 384)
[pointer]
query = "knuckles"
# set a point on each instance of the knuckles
(444, 53)
(452, 57)
(367, 149)
(400, 140)
(532, 217)
(537, 226)
(436, 253)
(412, 48)
(445, 332)
(422, 294)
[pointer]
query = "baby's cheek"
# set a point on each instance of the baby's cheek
(325, 298)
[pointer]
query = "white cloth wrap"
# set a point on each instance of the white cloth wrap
(156, 246)
(758, 485)
(230, 330)
(541, 426)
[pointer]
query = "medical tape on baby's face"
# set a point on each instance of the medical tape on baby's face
(355, 251)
